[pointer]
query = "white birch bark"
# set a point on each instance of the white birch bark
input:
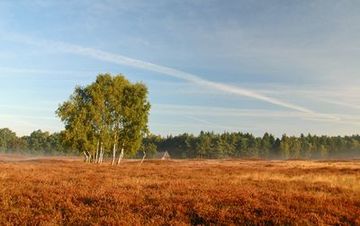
(114, 154)
(121, 155)
(101, 153)
(86, 156)
(142, 160)
(114, 151)
(97, 153)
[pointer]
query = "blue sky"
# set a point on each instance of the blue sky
(254, 66)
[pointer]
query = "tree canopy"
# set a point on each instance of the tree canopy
(108, 114)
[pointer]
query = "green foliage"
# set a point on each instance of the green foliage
(38, 142)
(8, 140)
(109, 111)
(148, 145)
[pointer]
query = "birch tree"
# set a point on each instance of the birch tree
(75, 115)
(108, 114)
(134, 118)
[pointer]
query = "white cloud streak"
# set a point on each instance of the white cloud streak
(200, 111)
(192, 78)
(123, 60)
(227, 112)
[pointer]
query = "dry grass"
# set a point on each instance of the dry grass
(59, 191)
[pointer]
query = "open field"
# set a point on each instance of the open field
(53, 191)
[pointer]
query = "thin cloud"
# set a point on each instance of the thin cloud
(123, 60)
(200, 111)
(203, 122)
(5, 71)
(340, 103)
(195, 79)
(252, 113)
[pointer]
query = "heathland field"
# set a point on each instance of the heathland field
(65, 191)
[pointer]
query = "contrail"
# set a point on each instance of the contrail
(123, 60)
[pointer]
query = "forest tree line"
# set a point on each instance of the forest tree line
(246, 145)
(37, 143)
(204, 145)
(109, 117)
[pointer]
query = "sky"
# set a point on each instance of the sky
(251, 66)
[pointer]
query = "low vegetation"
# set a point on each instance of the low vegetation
(64, 191)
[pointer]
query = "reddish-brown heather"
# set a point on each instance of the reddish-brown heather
(69, 192)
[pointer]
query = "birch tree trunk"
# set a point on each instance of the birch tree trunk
(121, 155)
(114, 151)
(86, 156)
(142, 160)
(101, 153)
(97, 153)
(114, 154)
